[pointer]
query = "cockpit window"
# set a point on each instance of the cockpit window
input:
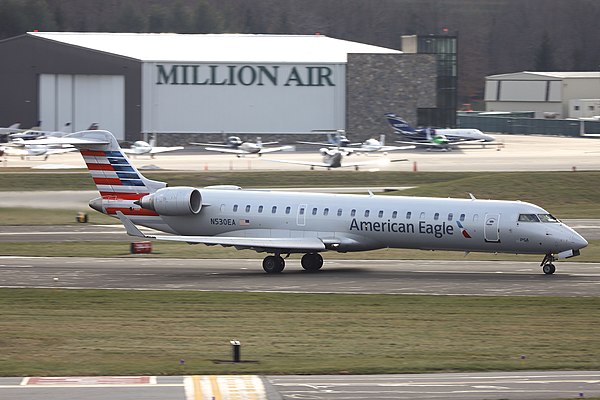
(547, 218)
(528, 218)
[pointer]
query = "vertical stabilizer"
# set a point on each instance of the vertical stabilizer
(117, 180)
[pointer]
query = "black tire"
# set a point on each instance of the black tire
(273, 264)
(312, 262)
(549, 269)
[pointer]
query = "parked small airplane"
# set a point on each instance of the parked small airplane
(235, 145)
(334, 139)
(332, 158)
(35, 132)
(14, 128)
(23, 149)
(459, 135)
(368, 146)
(141, 148)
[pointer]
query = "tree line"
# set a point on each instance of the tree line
(495, 36)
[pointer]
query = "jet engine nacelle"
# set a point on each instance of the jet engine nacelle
(178, 201)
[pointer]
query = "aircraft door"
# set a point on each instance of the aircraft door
(491, 232)
(301, 217)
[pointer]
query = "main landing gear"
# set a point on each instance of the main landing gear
(547, 265)
(275, 264)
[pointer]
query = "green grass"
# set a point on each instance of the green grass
(63, 332)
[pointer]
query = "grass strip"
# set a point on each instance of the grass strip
(94, 332)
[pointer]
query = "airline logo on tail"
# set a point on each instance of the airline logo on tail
(117, 181)
(400, 126)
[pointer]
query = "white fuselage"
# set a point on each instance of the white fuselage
(359, 223)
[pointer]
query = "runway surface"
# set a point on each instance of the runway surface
(475, 386)
(481, 278)
(518, 153)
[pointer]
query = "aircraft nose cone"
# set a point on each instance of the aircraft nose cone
(578, 241)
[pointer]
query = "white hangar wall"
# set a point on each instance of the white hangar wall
(242, 97)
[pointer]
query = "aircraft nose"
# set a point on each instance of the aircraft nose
(578, 242)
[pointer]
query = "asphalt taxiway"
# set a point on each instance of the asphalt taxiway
(527, 385)
(424, 277)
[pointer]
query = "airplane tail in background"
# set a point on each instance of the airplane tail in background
(400, 126)
(117, 180)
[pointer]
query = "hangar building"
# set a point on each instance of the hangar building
(178, 85)
(547, 94)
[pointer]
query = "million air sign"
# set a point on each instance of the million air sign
(244, 75)
(253, 98)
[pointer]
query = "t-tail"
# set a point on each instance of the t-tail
(400, 126)
(120, 184)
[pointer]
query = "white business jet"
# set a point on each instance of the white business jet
(282, 223)
(235, 145)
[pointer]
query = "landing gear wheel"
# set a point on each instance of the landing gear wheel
(273, 264)
(549, 269)
(312, 262)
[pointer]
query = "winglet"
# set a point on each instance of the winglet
(130, 227)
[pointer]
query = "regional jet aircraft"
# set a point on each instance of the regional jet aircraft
(235, 145)
(311, 223)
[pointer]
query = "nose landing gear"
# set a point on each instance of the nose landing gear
(547, 265)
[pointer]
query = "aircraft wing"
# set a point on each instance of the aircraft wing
(156, 150)
(226, 150)
(397, 148)
(265, 150)
(312, 244)
(51, 152)
(308, 163)
(210, 144)
(66, 140)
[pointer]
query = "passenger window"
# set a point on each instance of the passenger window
(394, 214)
(353, 213)
(436, 216)
(314, 211)
(248, 208)
(274, 210)
(408, 215)
(422, 216)
(301, 211)
(380, 215)
(450, 216)
(462, 217)
(367, 212)
(235, 208)
(475, 218)
(260, 209)
(288, 209)
(326, 211)
(339, 213)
